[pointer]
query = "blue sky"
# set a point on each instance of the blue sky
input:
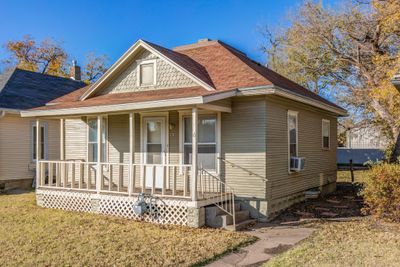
(111, 27)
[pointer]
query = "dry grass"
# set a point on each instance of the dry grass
(345, 176)
(355, 243)
(358, 243)
(34, 236)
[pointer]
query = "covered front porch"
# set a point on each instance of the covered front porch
(167, 157)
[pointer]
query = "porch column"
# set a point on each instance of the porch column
(62, 140)
(99, 173)
(131, 183)
(194, 153)
(38, 153)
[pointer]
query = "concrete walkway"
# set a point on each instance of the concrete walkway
(273, 240)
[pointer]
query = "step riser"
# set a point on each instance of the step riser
(240, 216)
(216, 217)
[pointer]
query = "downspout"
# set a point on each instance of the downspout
(2, 113)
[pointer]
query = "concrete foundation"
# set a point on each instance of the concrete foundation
(24, 184)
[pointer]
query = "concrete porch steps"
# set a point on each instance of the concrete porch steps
(242, 225)
(217, 218)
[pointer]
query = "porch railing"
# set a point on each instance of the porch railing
(211, 185)
(119, 178)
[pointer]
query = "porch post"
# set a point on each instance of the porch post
(38, 153)
(99, 172)
(131, 183)
(194, 153)
(62, 140)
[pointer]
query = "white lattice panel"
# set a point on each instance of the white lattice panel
(165, 211)
(173, 212)
(64, 200)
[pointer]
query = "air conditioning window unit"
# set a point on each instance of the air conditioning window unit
(297, 164)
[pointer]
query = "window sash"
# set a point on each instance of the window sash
(203, 159)
(146, 74)
(92, 140)
(326, 134)
(42, 142)
(293, 134)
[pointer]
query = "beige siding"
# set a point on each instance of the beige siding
(118, 138)
(16, 146)
(167, 77)
(75, 139)
(174, 137)
(320, 164)
(243, 144)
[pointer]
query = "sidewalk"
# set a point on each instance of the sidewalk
(273, 240)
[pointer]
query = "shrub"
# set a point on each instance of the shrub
(382, 191)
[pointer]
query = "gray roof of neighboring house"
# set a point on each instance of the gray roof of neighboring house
(21, 89)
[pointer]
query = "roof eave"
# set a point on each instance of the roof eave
(276, 90)
(10, 110)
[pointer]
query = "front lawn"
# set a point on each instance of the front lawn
(361, 242)
(358, 243)
(34, 236)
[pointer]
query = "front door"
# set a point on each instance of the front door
(154, 150)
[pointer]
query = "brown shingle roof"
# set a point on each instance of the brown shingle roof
(215, 63)
(230, 68)
(123, 98)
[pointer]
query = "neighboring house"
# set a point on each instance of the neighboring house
(22, 90)
(195, 126)
(365, 138)
(363, 144)
(396, 81)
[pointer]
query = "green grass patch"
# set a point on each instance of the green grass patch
(34, 236)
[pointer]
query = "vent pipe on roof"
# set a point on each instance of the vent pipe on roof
(75, 71)
(204, 40)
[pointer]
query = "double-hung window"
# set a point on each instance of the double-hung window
(326, 125)
(43, 141)
(93, 140)
(293, 133)
(207, 141)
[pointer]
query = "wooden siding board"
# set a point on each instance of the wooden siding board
(318, 161)
(243, 144)
(75, 139)
(15, 146)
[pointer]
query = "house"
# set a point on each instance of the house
(180, 136)
(22, 90)
(363, 144)
(396, 81)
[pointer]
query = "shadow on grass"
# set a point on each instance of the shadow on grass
(16, 191)
(341, 205)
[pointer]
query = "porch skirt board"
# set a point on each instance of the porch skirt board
(165, 211)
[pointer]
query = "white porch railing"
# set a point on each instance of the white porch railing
(119, 178)
(224, 195)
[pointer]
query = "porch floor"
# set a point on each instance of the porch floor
(123, 190)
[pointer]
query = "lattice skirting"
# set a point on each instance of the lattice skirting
(75, 201)
(165, 211)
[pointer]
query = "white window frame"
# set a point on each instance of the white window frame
(296, 114)
(138, 77)
(106, 157)
(329, 134)
(44, 125)
(185, 114)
